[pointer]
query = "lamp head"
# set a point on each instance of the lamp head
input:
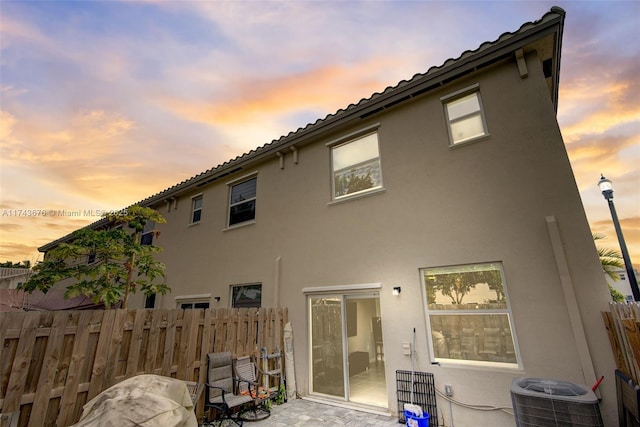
(605, 187)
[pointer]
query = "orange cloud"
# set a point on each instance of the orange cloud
(325, 88)
(7, 122)
(598, 104)
(10, 227)
(83, 157)
(17, 252)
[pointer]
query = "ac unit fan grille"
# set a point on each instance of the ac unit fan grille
(545, 412)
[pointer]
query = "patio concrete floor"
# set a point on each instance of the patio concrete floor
(308, 413)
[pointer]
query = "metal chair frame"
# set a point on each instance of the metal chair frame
(221, 390)
(246, 370)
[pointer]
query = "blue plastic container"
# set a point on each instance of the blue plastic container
(413, 420)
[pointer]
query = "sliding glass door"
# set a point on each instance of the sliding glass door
(346, 354)
(327, 346)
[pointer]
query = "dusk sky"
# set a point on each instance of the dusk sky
(104, 103)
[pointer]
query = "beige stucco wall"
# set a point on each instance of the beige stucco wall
(486, 201)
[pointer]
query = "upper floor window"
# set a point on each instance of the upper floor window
(242, 202)
(356, 166)
(147, 238)
(246, 296)
(196, 209)
(147, 233)
(464, 115)
(468, 315)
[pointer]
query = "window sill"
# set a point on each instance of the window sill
(469, 141)
(193, 223)
(484, 366)
(357, 196)
(239, 225)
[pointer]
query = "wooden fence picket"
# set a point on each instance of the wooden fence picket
(48, 371)
(21, 363)
(135, 345)
(98, 382)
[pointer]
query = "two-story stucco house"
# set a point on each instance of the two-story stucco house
(445, 205)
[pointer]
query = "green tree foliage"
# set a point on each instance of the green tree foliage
(457, 285)
(120, 265)
(611, 261)
(494, 280)
(9, 264)
(454, 285)
(616, 296)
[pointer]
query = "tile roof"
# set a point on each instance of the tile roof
(420, 83)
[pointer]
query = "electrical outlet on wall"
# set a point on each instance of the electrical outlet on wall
(406, 348)
(448, 390)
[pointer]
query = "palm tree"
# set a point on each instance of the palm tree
(611, 261)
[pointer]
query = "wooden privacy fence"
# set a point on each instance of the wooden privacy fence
(624, 335)
(52, 363)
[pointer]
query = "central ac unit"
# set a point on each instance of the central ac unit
(550, 403)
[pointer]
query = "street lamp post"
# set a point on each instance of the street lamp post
(607, 192)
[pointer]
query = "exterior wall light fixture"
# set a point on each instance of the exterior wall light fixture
(397, 290)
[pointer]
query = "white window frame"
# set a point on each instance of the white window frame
(506, 311)
(346, 140)
(231, 184)
(193, 299)
(194, 209)
(455, 96)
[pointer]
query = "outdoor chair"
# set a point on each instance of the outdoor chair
(246, 371)
(221, 389)
(195, 392)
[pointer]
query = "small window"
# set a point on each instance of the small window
(465, 118)
(356, 166)
(147, 239)
(147, 233)
(150, 300)
(246, 296)
(91, 258)
(242, 202)
(193, 305)
(196, 209)
(187, 302)
(468, 315)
